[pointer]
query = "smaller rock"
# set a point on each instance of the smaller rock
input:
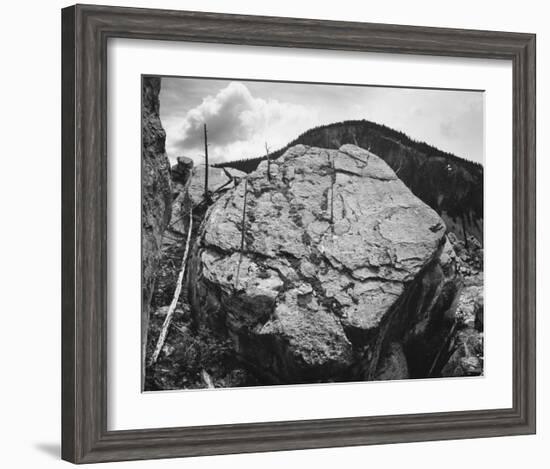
(168, 350)
(180, 174)
(182, 170)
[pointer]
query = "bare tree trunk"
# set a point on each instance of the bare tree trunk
(242, 234)
(268, 162)
(333, 182)
(464, 232)
(177, 293)
(206, 167)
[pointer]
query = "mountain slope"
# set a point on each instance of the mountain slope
(452, 186)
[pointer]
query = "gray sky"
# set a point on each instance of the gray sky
(242, 115)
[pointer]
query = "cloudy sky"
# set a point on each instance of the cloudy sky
(242, 116)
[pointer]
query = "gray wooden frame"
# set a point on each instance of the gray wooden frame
(85, 31)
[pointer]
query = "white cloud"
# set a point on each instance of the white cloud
(241, 116)
(238, 125)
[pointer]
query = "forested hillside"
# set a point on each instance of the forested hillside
(451, 185)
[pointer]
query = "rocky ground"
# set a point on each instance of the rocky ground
(340, 274)
(466, 344)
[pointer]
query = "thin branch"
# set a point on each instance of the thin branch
(171, 238)
(177, 292)
(244, 214)
(205, 163)
(445, 344)
(223, 186)
(183, 331)
(333, 182)
(399, 169)
(464, 232)
(268, 162)
(242, 233)
(175, 221)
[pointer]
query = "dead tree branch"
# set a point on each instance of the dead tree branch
(206, 167)
(268, 162)
(207, 380)
(243, 227)
(399, 168)
(333, 182)
(446, 343)
(177, 293)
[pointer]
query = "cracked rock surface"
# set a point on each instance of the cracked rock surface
(156, 192)
(335, 248)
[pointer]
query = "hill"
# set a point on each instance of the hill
(452, 186)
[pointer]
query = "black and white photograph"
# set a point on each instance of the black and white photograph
(301, 233)
(277, 234)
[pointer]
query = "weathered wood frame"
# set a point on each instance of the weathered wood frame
(85, 31)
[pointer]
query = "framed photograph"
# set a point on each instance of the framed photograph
(291, 233)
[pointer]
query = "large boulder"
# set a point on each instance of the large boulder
(182, 170)
(156, 191)
(339, 262)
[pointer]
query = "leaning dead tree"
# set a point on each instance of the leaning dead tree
(206, 167)
(177, 293)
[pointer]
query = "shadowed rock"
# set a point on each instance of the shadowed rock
(156, 192)
(181, 172)
(393, 365)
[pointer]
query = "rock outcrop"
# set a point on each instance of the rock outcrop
(156, 191)
(343, 273)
